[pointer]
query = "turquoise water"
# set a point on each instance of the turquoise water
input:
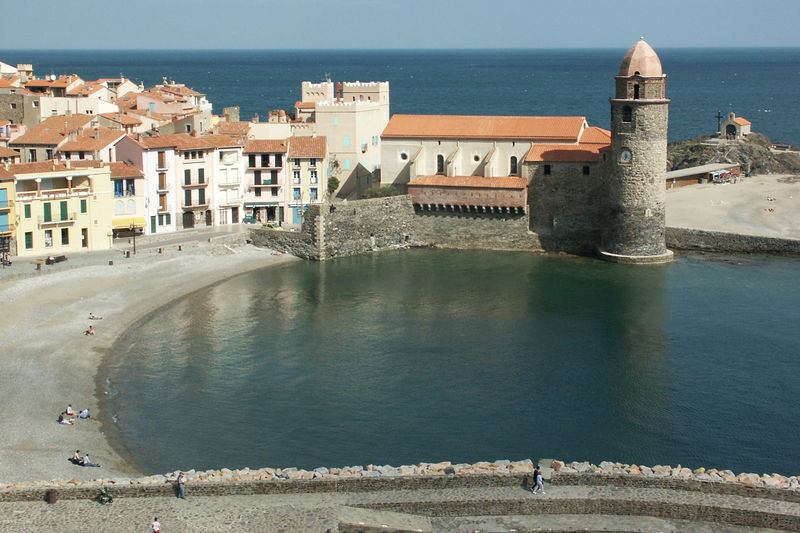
(430, 355)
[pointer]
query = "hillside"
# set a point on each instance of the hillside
(753, 154)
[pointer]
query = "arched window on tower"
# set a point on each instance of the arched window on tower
(635, 91)
(440, 164)
(513, 170)
(627, 114)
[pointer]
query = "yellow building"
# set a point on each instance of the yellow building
(8, 244)
(62, 207)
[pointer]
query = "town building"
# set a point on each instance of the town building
(735, 128)
(308, 162)
(41, 141)
(8, 241)
(352, 120)
(265, 179)
(62, 207)
(129, 199)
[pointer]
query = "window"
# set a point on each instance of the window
(627, 114)
(440, 164)
(635, 91)
(403, 156)
(162, 159)
(185, 155)
(346, 164)
(83, 206)
(273, 177)
(264, 160)
(335, 119)
(48, 238)
(13, 106)
(476, 158)
(257, 191)
(48, 153)
(64, 236)
(513, 165)
(187, 198)
(313, 193)
(201, 175)
(187, 176)
(63, 211)
(547, 170)
(251, 160)
(278, 158)
(312, 162)
(32, 155)
(119, 188)
(68, 155)
(586, 170)
(162, 181)
(47, 213)
(257, 177)
(297, 161)
(28, 240)
(346, 141)
(35, 103)
(81, 155)
(313, 176)
(167, 218)
(27, 210)
(296, 193)
(160, 220)
(130, 187)
(295, 176)
(201, 196)
(275, 191)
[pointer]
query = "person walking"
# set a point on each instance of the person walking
(181, 486)
(537, 478)
(156, 525)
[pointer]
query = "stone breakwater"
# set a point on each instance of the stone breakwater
(553, 469)
(775, 481)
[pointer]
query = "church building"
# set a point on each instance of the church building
(583, 189)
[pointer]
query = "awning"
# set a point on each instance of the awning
(261, 204)
(127, 222)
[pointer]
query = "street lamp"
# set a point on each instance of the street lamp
(133, 230)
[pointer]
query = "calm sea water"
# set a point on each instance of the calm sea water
(430, 355)
(754, 83)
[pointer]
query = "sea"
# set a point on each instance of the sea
(755, 83)
(431, 355)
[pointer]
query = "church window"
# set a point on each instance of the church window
(635, 91)
(627, 114)
(513, 165)
(439, 164)
(476, 158)
(403, 156)
(585, 170)
(548, 170)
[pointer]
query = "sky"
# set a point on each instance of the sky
(392, 24)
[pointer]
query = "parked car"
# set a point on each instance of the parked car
(249, 219)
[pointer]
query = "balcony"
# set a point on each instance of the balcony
(230, 202)
(194, 207)
(162, 187)
(5, 228)
(71, 218)
(194, 185)
(52, 194)
(229, 183)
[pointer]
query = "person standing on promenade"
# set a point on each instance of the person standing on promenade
(156, 525)
(537, 477)
(181, 486)
(533, 480)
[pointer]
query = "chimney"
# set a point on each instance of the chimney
(97, 133)
(72, 136)
(68, 112)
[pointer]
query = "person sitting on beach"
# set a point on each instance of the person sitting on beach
(88, 462)
(76, 458)
(63, 419)
(92, 316)
(89, 331)
(69, 411)
(84, 414)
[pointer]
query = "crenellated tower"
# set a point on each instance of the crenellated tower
(633, 230)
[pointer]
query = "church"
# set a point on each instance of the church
(581, 188)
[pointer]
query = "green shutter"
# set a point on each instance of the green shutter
(28, 240)
(27, 210)
(83, 206)
(47, 214)
(187, 198)
(201, 197)
(187, 176)
(64, 210)
(201, 175)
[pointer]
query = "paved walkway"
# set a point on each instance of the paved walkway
(318, 512)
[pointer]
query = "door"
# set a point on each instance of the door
(208, 217)
(234, 215)
(297, 215)
(188, 219)
(152, 224)
(84, 237)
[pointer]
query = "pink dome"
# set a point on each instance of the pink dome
(641, 60)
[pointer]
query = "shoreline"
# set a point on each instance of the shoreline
(49, 363)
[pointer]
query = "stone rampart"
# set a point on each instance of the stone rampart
(716, 241)
(493, 231)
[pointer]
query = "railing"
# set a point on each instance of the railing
(230, 183)
(162, 187)
(193, 184)
(195, 206)
(4, 228)
(53, 193)
(231, 201)
(71, 217)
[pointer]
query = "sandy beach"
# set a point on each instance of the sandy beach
(48, 362)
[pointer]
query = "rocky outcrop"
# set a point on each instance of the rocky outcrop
(753, 154)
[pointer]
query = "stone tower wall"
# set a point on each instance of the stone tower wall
(636, 191)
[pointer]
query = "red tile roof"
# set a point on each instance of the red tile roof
(123, 169)
(8, 152)
(484, 127)
(92, 139)
(742, 121)
(308, 147)
(52, 130)
(265, 145)
(52, 165)
(304, 104)
(124, 119)
(9, 82)
(595, 135)
(440, 180)
(184, 141)
(233, 128)
(563, 153)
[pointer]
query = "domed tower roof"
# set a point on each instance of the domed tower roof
(641, 60)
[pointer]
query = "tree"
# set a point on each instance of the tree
(333, 184)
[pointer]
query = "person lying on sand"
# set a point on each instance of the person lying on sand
(89, 331)
(84, 414)
(88, 462)
(92, 316)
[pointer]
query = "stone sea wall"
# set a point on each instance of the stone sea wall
(717, 241)
(411, 477)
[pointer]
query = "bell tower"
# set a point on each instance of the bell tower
(633, 230)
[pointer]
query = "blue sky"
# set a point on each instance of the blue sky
(359, 24)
